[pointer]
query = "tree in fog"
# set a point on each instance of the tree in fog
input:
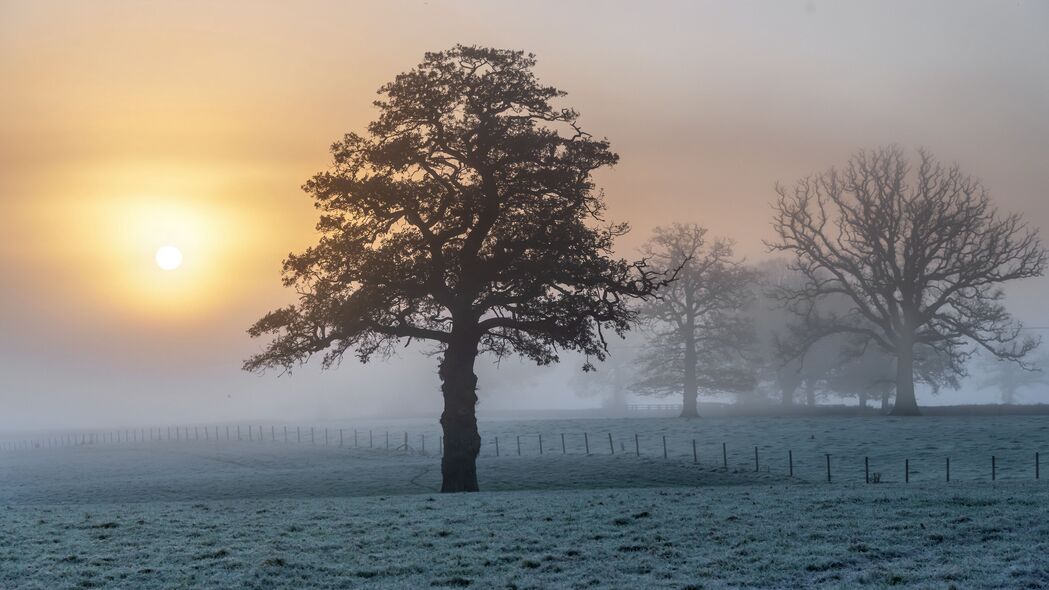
(698, 336)
(611, 381)
(1008, 379)
(919, 251)
(467, 216)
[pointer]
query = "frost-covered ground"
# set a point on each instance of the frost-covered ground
(271, 514)
(763, 535)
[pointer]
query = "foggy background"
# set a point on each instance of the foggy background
(226, 109)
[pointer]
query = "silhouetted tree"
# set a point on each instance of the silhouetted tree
(919, 252)
(466, 216)
(698, 335)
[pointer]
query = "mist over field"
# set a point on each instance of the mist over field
(460, 294)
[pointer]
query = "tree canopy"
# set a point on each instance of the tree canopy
(467, 215)
(918, 250)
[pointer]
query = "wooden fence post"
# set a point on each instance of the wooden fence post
(518, 445)
(497, 446)
(948, 469)
(790, 461)
(756, 469)
(586, 443)
(664, 447)
(866, 470)
(724, 455)
(637, 445)
(695, 456)
(540, 443)
(994, 468)
(563, 451)
(611, 447)
(828, 467)
(906, 471)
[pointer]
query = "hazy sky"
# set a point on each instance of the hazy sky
(129, 125)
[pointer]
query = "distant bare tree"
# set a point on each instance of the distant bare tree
(697, 332)
(466, 216)
(920, 253)
(1009, 378)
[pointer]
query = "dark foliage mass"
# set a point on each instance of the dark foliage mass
(466, 215)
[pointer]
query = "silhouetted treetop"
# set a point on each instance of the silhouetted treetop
(467, 215)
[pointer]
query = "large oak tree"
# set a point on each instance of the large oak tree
(919, 252)
(467, 215)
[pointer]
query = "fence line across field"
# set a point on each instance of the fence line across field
(491, 448)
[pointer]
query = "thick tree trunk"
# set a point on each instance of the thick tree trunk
(906, 404)
(462, 443)
(690, 392)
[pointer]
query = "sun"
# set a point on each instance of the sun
(169, 257)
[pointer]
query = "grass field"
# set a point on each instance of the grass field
(285, 515)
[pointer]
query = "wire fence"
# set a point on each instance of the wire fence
(897, 466)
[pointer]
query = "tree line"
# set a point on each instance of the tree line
(466, 215)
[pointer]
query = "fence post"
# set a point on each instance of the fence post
(313, 438)
(948, 469)
(756, 469)
(994, 468)
(790, 462)
(637, 446)
(422, 444)
(695, 455)
(497, 446)
(664, 447)
(724, 455)
(340, 438)
(387, 440)
(1036, 469)
(586, 442)
(371, 440)
(355, 438)
(563, 451)
(206, 433)
(906, 471)
(518, 445)
(406, 442)
(866, 469)
(611, 447)
(285, 433)
(540, 443)
(828, 467)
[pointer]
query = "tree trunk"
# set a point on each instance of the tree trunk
(462, 443)
(690, 393)
(906, 404)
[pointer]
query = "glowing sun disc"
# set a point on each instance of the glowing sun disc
(169, 258)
